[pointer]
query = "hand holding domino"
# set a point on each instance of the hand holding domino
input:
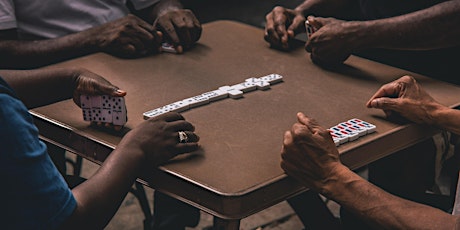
(168, 48)
(309, 28)
(104, 109)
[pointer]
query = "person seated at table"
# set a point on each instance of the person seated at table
(417, 35)
(34, 193)
(39, 33)
(399, 34)
(310, 156)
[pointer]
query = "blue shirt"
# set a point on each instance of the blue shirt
(34, 195)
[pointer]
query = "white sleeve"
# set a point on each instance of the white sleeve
(7, 16)
(141, 4)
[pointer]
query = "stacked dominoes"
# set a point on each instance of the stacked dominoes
(233, 91)
(104, 108)
(350, 130)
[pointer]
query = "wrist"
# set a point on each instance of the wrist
(130, 148)
(164, 7)
(438, 115)
(337, 182)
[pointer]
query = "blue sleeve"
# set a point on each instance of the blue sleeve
(34, 195)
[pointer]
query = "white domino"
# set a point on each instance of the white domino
(338, 138)
(216, 95)
(154, 113)
(232, 92)
(197, 101)
(235, 91)
(366, 125)
(85, 104)
(261, 85)
(104, 108)
(350, 130)
(96, 108)
(119, 112)
(235, 94)
(168, 47)
(272, 78)
(245, 87)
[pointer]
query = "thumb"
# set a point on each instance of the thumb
(297, 26)
(384, 103)
(316, 22)
(111, 90)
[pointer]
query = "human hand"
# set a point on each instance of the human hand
(180, 27)
(127, 37)
(158, 138)
(309, 154)
(406, 98)
(283, 24)
(89, 83)
(333, 42)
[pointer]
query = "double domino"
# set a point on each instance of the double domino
(350, 130)
(234, 91)
(104, 108)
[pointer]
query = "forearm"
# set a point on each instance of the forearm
(42, 86)
(381, 209)
(24, 54)
(100, 196)
(324, 8)
(431, 28)
(447, 119)
(150, 14)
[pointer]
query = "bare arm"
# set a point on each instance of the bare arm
(431, 28)
(128, 37)
(21, 54)
(330, 8)
(310, 156)
(152, 143)
(381, 209)
(45, 86)
(406, 98)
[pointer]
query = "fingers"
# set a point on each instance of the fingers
(128, 37)
(275, 28)
(315, 22)
(169, 117)
(385, 103)
(392, 90)
(181, 28)
(388, 90)
(296, 27)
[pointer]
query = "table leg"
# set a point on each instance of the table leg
(223, 224)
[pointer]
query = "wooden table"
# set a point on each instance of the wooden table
(237, 172)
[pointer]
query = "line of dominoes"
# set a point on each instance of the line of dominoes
(233, 91)
(104, 108)
(350, 130)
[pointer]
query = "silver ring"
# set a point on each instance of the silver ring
(183, 138)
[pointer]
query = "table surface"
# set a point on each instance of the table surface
(237, 172)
